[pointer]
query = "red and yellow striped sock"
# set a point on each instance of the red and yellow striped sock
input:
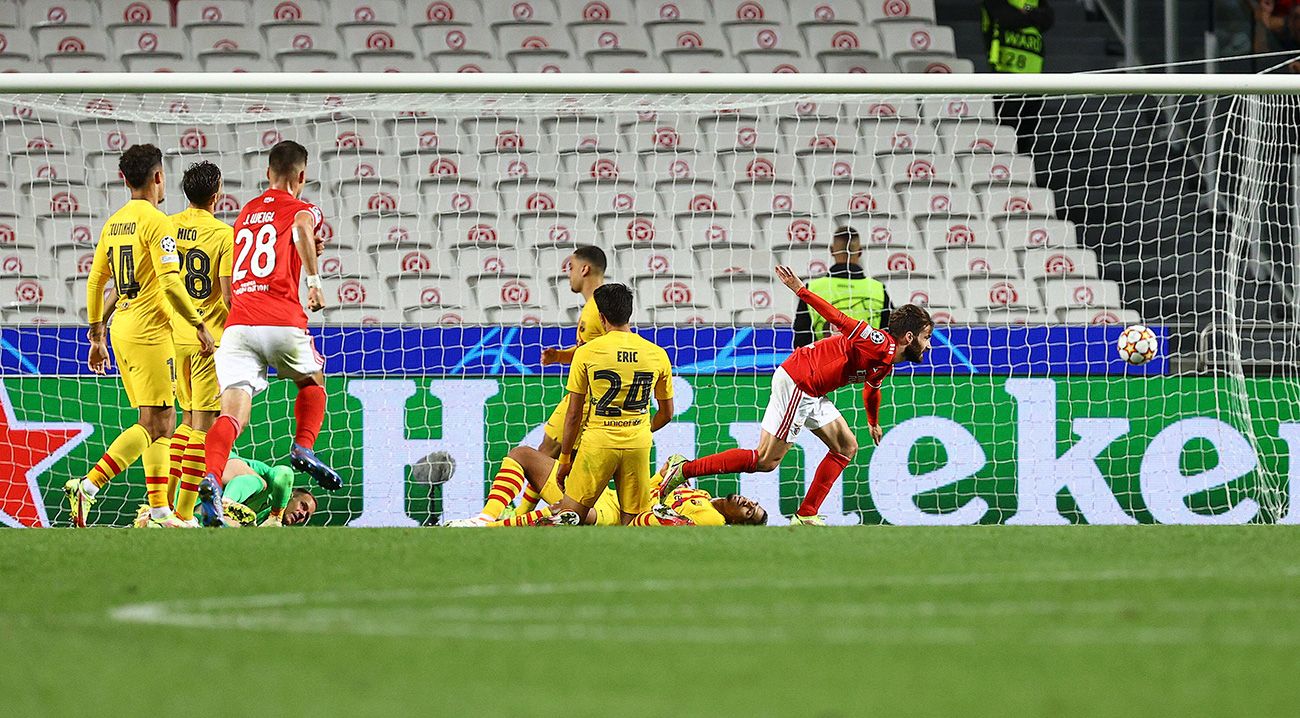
(506, 486)
(529, 500)
(526, 519)
(193, 464)
(156, 464)
(125, 449)
(180, 440)
(649, 519)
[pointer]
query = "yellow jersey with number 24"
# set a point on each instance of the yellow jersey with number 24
(619, 372)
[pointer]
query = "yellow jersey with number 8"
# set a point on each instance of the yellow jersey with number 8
(136, 247)
(205, 245)
(619, 372)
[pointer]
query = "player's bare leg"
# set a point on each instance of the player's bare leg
(550, 447)
(140, 441)
(309, 410)
(843, 446)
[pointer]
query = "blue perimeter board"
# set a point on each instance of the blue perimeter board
(499, 350)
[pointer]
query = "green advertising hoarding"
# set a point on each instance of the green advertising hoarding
(969, 449)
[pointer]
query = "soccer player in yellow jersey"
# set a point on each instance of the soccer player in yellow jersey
(137, 248)
(695, 505)
(205, 245)
(586, 272)
(610, 385)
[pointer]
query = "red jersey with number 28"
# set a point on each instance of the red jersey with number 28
(858, 354)
(267, 269)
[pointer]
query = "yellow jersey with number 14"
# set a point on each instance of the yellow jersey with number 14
(619, 372)
(205, 245)
(136, 247)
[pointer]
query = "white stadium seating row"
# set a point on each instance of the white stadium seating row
(460, 35)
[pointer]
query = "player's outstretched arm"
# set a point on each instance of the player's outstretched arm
(555, 355)
(572, 424)
(304, 239)
(871, 398)
(663, 416)
(833, 316)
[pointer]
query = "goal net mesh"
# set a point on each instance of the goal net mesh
(1034, 229)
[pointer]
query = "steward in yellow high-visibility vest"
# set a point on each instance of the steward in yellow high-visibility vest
(847, 288)
(1013, 33)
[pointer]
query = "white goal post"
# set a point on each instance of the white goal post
(453, 200)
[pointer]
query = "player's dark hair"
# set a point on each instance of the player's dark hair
(200, 183)
(845, 236)
(908, 318)
(593, 255)
(300, 491)
(614, 302)
(287, 157)
(138, 163)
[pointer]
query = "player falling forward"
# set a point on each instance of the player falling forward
(618, 372)
(275, 239)
(694, 505)
(205, 245)
(799, 388)
(137, 248)
(253, 494)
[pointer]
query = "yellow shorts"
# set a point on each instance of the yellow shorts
(555, 425)
(594, 466)
(608, 510)
(148, 371)
(196, 380)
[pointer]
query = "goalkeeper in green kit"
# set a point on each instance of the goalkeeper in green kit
(252, 493)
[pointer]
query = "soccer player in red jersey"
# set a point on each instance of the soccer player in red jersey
(275, 239)
(857, 354)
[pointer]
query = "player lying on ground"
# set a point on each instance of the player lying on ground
(618, 372)
(858, 354)
(275, 240)
(253, 494)
(137, 249)
(538, 471)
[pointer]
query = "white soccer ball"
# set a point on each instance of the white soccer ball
(1137, 345)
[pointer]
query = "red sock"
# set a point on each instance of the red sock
(733, 461)
(309, 410)
(828, 471)
(221, 437)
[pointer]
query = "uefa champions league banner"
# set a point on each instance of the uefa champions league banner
(960, 449)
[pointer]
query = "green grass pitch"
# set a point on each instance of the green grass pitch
(999, 621)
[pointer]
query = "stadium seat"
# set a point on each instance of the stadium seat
(775, 202)
(830, 13)
(338, 262)
(511, 135)
(855, 64)
(31, 291)
(553, 265)
(443, 316)
(30, 169)
(600, 12)
(779, 232)
(578, 134)
(650, 262)
(147, 13)
(50, 200)
(885, 108)
(509, 167)
(888, 136)
(959, 109)
(702, 232)
(686, 316)
(836, 40)
(347, 135)
(987, 170)
(546, 232)
(1121, 317)
(192, 139)
(857, 199)
(269, 13)
(673, 292)
(72, 49)
(498, 260)
(22, 262)
(371, 232)
(422, 13)
(688, 167)
(886, 11)
(929, 293)
(473, 228)
(9, 15)
(501, 292)
(343, 13)
(692, 200)
(456, 44)
(444, 167)
(618, 199)
(547, 41)
(883, 232)
(225, 41)
(901, 39)
(1076, 293)
(603, 39)
(672, 12)
(677, 41)
(521, 12)
(999, 294)
(63, 13)
(762, 317)
(825, 168)
(815, 132)
(729, 133)
(529, 197)
(768, 38)
(672, 134)
(922, 202)
(625, 62)
(538, 62)
(1054, 263)
(963, 263)
(430, 290)
(468, 62)
(767, 63)
(920, 171)
(731, 261)
(356, 171)
(17, 44)
(977, 137)
(740, 291)
(763, 166)
(191, 14)
(595, 167)
(427, 136)
(806, 261)
(621, 233)
(932, 64)
(902, 264)
(1019, 202)
(147, 42)
(303, 40)
(959, 233)
(1035, 233)
(746, 12)
(375, 43)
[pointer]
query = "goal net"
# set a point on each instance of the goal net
(1033, 228)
